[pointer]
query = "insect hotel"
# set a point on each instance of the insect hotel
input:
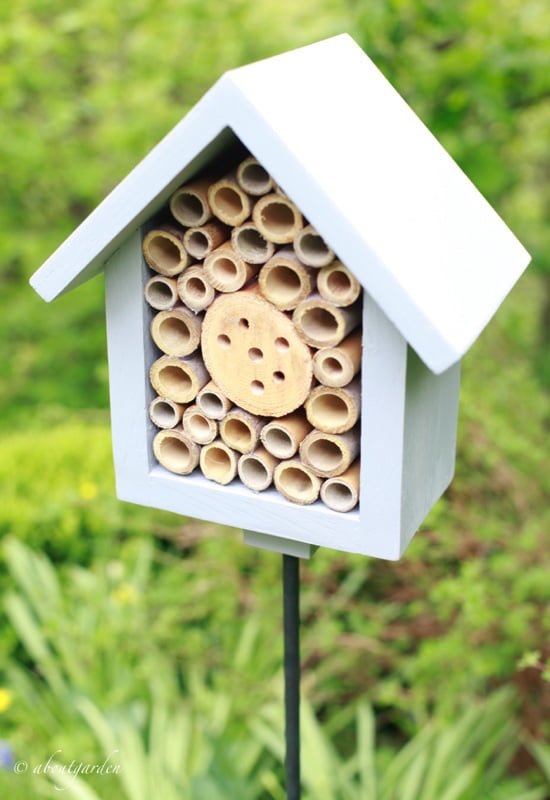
(292, 277)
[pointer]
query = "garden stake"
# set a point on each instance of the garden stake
(291, 624)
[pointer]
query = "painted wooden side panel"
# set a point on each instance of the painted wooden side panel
(429, 444)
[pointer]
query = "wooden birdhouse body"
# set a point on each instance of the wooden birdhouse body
(433, 259)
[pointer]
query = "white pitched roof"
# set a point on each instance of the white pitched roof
(364, 170)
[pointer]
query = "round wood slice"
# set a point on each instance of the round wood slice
(255, 355)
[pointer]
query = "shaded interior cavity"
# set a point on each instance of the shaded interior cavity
(199, 427)
(196, 288)
(174, 332)
(278, 218)
(255, 354)
(339, 283)
(330, 409)
(163, 414)
(319, 324)
(313, 248)
(197, 244)
(332, 367)
(324, 454)
(338, 496)
(257, 387)
(211, 404)
(188, 208)
(224, 269)
(296, 481)
(164, 252)
(279, 443)
(252, 244)
(255, 179)
(174, 380)
(175, 454)
(224, 341)
(254, 473)
(238, 433)
(217, 463)
(281, 344)
(159, 294)
(228, 201)
(283, 283)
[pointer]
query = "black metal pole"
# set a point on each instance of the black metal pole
(291, 623)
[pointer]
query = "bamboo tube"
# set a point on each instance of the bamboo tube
(322, 324)
(342, 493)
(334, 409)
(240, 430)
(164, 252)
(189, 204)
(277, 218)
(337, 366)
(297, 482)
(312, 249)
(218, 462)
(198, 426)
(212, 402)
(161, 292)
(329, 454)
(194, 289)
(284, 281)
(199, 242)
(228, 201)
(253, 178)
(175, 451)
(256, 469)
(165, 413)
(250, 245)
(283, 436)
(226, 271)
(176, 332)
(337, 285)
(178, 379)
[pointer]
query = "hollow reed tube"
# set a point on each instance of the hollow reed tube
(282, 437)
(218, 462)
(212, 401)
(164, 252)
(284, 281)
(322, 324)
(175, 451)
(240, 430)
(229, 203)
(334, 409)
(161, 292)
(312, 249)
(200, 428)
(250, 245)
(337, 285)
(253, 178)
(189, 203)
(277, 218)
(297, 482)
(337, 366)
(329, 454)
(176, 332)
(194, 290)
(165, 413)
(199, 242)
(226, 271)
(178, 379)
(342, 493)
(256, 469)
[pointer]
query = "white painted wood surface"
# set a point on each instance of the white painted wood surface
(382, 191)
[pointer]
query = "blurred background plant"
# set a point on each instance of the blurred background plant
(118, 622)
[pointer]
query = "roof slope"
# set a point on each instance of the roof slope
(364, 170)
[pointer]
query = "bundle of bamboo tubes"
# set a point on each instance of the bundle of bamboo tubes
(257, 325)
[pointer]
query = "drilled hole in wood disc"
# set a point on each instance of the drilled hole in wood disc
(255, 355)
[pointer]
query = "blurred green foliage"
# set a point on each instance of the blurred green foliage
(86, 92)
